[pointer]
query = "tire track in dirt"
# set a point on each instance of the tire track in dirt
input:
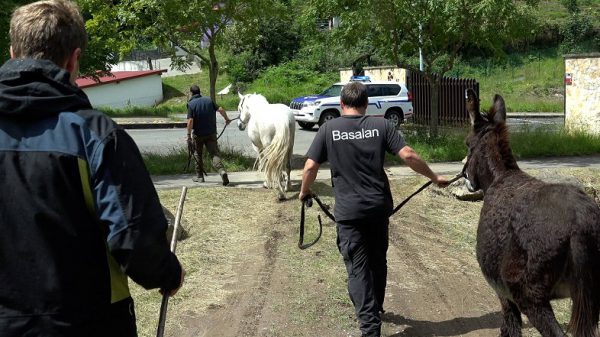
(253, 313)
(241, 313)
(433, 289)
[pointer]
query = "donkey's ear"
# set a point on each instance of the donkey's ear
(473, 107)
(240, 95)
(499, 110)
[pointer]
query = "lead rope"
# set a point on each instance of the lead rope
(225, 126)
(307, 202)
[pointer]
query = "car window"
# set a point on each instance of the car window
(374, 90)
(391, 90)
(333, 91)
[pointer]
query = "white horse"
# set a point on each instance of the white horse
(271, 128)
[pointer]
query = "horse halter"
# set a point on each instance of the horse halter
(241, 108)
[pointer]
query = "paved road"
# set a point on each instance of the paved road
(166, 140)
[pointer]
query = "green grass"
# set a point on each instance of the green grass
(529, 82)
(547, 143)
(176, 161)
(552, 12)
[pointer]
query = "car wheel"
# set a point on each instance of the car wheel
(395, 117)
(306, 125)
(327, 115)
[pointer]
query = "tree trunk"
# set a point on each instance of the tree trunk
(213, 71)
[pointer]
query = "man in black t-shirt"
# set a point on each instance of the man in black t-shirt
(202, 120)
(355, 147)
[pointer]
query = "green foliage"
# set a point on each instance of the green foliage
(576, 29)
(264, 44)
(280, 84)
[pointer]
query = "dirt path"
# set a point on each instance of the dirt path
(433, 291)
(248, 278)
(433, 288)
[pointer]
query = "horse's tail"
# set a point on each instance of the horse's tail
(585, 292)
(274, 158)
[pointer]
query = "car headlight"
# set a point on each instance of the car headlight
(310, 104)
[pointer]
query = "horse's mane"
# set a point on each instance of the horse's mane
(258, 98)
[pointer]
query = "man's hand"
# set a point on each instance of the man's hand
(304, 194)
(174, 291)
(227, 121)
(441, 181)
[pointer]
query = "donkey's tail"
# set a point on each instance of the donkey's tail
(584, 287)
(274, 158)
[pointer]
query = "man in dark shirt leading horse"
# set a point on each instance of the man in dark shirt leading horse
(202, 120)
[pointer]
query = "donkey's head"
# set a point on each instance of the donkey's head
(489, 150)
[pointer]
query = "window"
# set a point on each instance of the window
(333, 91)
(391, 90)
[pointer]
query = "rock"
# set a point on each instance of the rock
(171, 221)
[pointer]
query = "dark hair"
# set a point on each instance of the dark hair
(195, 90)
(49, 30)
(354, 95)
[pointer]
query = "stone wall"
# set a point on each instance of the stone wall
(582, 92)
(377, 74)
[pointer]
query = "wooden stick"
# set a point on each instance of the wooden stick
(165, 299)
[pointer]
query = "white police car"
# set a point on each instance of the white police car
(386, 99)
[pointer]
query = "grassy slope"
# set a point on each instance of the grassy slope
(529, 82)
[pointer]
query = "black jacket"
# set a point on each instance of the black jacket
(77, 209)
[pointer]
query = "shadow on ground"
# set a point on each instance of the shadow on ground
(454, 327)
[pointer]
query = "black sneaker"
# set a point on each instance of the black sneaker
(198, 179)
(225, 179)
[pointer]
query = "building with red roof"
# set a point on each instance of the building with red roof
(122, 89)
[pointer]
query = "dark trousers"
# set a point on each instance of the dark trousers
(363, 244)
(210, 142)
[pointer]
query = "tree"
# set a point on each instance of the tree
(575, 29)
(254, 47)
(196, 27)
(400, 28)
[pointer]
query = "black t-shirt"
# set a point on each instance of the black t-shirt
(355, 147)
(203, 111)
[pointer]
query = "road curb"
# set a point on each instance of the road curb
(154, 125)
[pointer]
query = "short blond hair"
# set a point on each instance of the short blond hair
(49, 29)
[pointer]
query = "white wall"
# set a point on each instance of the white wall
(582, 95)
(140, 91)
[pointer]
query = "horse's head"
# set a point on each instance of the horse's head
(248, 104)
(243, 109)
(489, 150)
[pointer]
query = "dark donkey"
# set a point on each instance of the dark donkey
(536, 241)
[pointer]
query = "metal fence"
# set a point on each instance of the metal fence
(452, 101)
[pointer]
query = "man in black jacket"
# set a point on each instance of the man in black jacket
(78, 211)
